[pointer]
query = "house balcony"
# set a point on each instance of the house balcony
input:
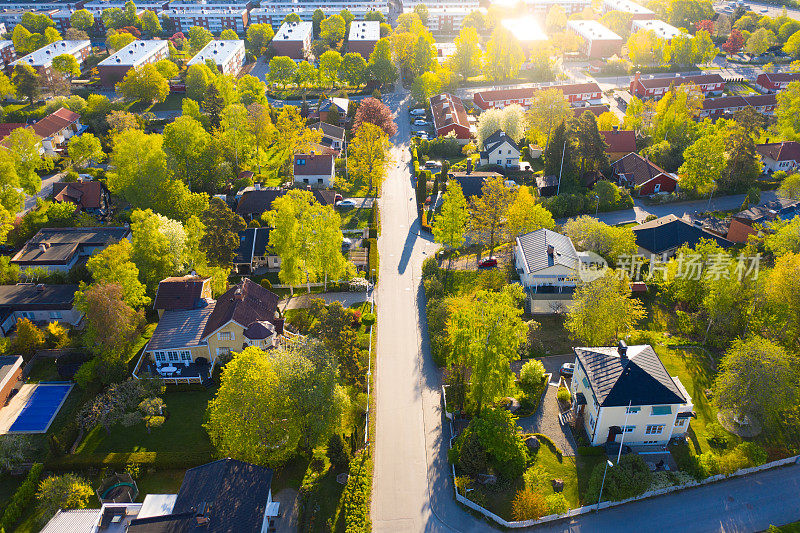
(174, 372)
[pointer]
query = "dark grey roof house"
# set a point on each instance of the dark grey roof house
(663, 236)
(38, 303)
(61, 248)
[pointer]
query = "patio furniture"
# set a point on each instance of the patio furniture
(169, 369)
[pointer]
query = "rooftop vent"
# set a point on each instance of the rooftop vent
(551, 251)
(622, 349)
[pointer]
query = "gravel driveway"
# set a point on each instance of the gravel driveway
(545, 421)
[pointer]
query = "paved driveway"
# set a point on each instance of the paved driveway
(304, 300)
(545, 421)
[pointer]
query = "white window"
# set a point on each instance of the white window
(55, 315)
(160, 357)
(632, 410)
(591, 420)
(225, 335)
(680, 422)
(186, 355)
(630, 429)
(173, 356)
(655, 429)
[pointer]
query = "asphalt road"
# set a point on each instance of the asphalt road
(44, 192)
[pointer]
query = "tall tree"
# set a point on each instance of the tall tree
(292, 136)
(451, 224)
(221, 238)
(788, 112)
(488, 212)
(185, 141)
(332, 29)
(590, 146)
(466, 61)
(380, 67)
(259, 37)
(111, 324)
(602, 310)
(26, 82)
(85, 149)
(81, 19)
(144, 84)
(525, 215)
(114, 265)
(368, 155)
(67, 491)
(504, 56)
(485, 338)
(376, 112)
(548, 110)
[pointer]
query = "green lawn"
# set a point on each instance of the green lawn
(355, 218)
(695, 367)
(159, 482)
(552, 336)
(44, 369)
(183, 430)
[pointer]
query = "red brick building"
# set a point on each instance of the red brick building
(775, 82)
(574, 93)
(10, 372)
(449, 115)
(635, 171)
(657, 87)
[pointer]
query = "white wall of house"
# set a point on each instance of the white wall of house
(504, 155)
(770, 165)
(555, 276)
(64, 316)
(646, 424)
(315, 180)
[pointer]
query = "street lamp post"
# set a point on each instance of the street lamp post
(599, 498)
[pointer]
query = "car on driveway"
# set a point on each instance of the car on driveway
(488, 263)
(417, 112)
(420, 122)
(567, 369)
(432, 165)
(346, 204)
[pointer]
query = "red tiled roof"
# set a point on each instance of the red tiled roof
(782, 151)
(527, 92)
(724, 102)
(179, 293)
(596, 109)
(55, 122)
(638, 169)
(703, 79)
(762, 100)
(448, 109)
(782, 76)
(86, 194)
(620, 141)
(8, 127)
(315, 165)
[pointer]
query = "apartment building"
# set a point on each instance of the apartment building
(8, 54)
(275, 12)
(659, 27)
(214, 19)
(636, 11)
(363, 36)
(138, 53)
(10, 17)
(227, 55)
(598, 41)
(293, 40)
(42, 59)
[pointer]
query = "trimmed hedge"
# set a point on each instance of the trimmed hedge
(591, 451)
(550, 444)
(22, 498)
(119, 460)
(356, 495)
(374, 261)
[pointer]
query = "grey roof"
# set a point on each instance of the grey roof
(670, 232)
(780, 207)
(253, 242)
(75, 520)
(639, 379)
(329, 130)
(496, 139)
(180, 329)
(534, 250)
(27, 296)
(61, 244)
(7, 362)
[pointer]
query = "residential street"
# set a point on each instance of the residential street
(44, 192)
(412, 489)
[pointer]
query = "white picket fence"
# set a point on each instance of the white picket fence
(603, 505)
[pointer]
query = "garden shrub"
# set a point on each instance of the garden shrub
(556, 503)
(628, 478)
(168, 460)
(717, 436)
(563, 395)
(368, 319)
(356, 495)
(496, 430)
(469, 454)
(528, 505)
(430, 267)
(531, 376)
(338, 452)
(374, 261)
(21, 498)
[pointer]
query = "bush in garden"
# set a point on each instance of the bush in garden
(528, 505)
(469, 455)
(368, 319)
(21, 498)
(716, 435)
(497, 431)
(355, 498)
(531, 376)
(338, 453)
(628, 478)
(430, 267)
(756, 454)
(67, 491)
(563, 395)
(556, 504)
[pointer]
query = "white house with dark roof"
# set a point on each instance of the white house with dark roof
(332, 136)
(546, 261)
(783, 155)
(500, 149)
(627, 389)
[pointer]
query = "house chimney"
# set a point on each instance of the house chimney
(43, 246)
(469, 165)
(622, 349)
(550, 250)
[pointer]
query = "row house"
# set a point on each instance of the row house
(446, 18)
(775, 82)
(214, 20)
(8, 54)
(449, 116)
(661, 29)
(577, 94)
(727, 105)
(274, 13)
(96, 8)
(42, 59)
(709, 84)
(136, 54)
(228, 56)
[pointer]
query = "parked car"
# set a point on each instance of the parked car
(431, 165)
(567, 369)
(337, 198)
(420, 122)
(488, 263)
(346, 204)
(422, 135)
(416, 112)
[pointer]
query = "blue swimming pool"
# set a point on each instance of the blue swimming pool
(41, 408)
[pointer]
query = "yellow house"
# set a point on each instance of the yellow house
(188, 343)
(626, 389)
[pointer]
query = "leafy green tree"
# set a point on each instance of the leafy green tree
(228, 35)
(466, 61)
(198, 79)
(258, 37)
(602, 310)
(114, 265)
(556, 19)
(66, 64)
(790, 187)
(306, 75)
(316, 21)
(270, 404)
(26, 161)
(451, 224)
(281, 71)
(145, 84)
(424, 53)
(67, 491)
(150, 23)
(167, 69)
(525, 215)
(29, 338)
(119, 404)
(329, 65)
(185, 143)
(425, 86)
(118, 40)
(15, 450)
(504, 56)
(618, 22)
(198, 37)
(792, 46)
(352, 69)
(588, 233)
(788, 111)
(85, 149)
(590, 146)
(380, 67)
(760, 41)
(628, 478)
(236, 133)
(548, 110)
(292, 136)
(703, 164)
(368, 155)
(82, 20)
(685, 13)
(422, 12)
(488, 212)
(757, 378)
(221, 238)
(251, 90)
(332, 29)
(485, 337)
(26, 82)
